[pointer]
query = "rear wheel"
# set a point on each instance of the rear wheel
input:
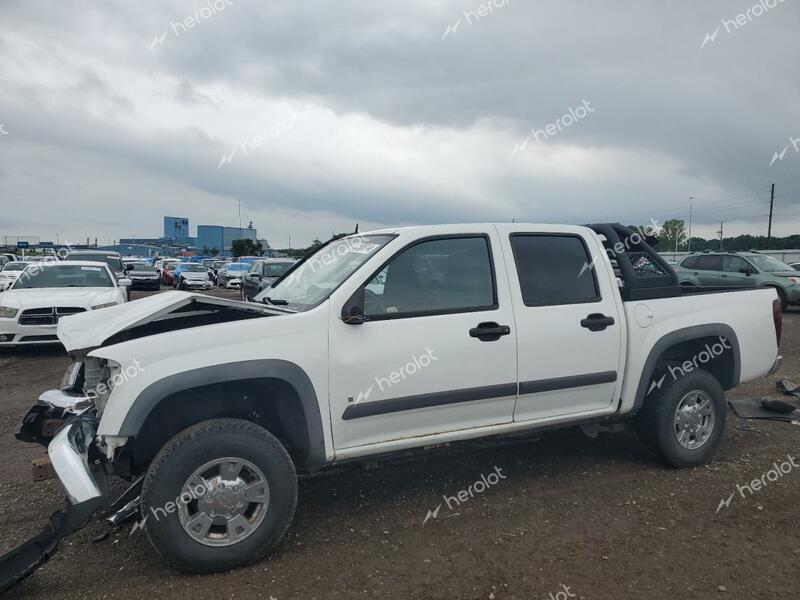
(685, 419)
(219, 495)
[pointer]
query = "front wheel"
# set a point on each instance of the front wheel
(218, 496)
(685, 419)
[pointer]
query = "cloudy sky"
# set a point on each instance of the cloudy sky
(318, 115)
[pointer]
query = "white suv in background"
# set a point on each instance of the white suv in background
(46, 292)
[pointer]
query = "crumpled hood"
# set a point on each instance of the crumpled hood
(47, 297)
(92, 329)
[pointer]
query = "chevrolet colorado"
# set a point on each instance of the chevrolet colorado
(379, 343)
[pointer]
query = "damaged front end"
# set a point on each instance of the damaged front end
(65, 422)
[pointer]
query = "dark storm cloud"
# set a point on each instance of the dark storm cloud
(387, 80)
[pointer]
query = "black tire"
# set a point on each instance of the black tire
(656, 424)
(189, 450)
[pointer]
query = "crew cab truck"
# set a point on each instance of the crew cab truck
(378, 343)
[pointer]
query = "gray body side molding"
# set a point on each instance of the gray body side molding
(686, 335)
(249, 369)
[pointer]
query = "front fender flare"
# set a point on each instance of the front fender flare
(287, 371)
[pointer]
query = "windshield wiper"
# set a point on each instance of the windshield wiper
(275, 301)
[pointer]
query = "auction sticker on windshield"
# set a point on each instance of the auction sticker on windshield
(362, 248)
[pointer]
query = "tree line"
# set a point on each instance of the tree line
(675, 230)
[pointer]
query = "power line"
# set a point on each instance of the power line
(699, 208)
(769, 227)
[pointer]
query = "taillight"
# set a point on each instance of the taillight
(777, 316)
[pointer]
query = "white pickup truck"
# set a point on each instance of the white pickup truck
(378, 343)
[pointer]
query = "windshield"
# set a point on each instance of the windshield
(141, 267)
(193, 268)
(767, 263)
(15, 266)
(64, 275)
(237, 267)
(114, 262)
(322, 273)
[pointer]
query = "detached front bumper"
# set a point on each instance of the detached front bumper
(85, 485)
(70, 460)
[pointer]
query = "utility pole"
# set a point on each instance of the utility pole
(769, 227)
(721, 234)
(689, 239)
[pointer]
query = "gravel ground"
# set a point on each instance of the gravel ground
(599, 517)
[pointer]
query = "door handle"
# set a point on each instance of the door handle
(597, 322)
(489, 331)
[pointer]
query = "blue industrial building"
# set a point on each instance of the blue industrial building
(177, 228)
(209, 237)
(212, 237)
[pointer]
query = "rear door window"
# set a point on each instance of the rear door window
(710, 263)
(554, 269)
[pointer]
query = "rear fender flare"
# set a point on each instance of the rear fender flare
(686, 335)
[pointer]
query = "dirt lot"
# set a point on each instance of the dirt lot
(600, 517)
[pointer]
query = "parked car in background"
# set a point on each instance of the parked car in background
(48, 291)
(191, 275)
(162, 263)
(7, 258)
(213, 266)
(262, 274)
(168, 273)
(795, 266)
(230, 275)
(740, 269)
(10, 273)
(143, 276)
(112, 259)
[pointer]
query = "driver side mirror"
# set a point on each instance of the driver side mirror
(353, 310)
(354, 316)
(125, 283)
(747, 271)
